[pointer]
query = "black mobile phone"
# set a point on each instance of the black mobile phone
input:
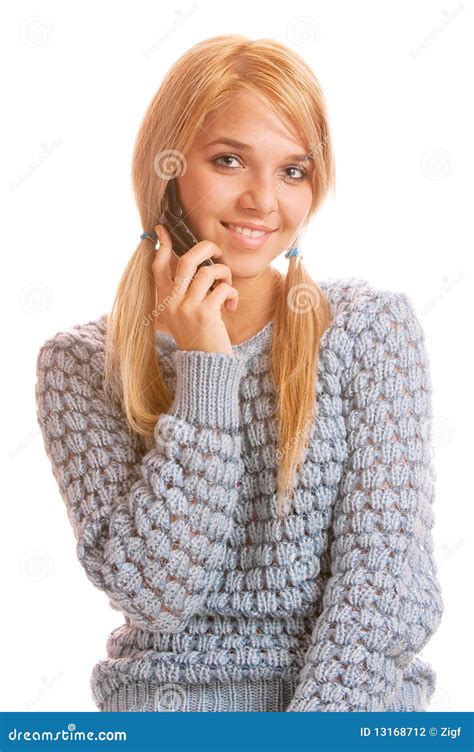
(172, 219)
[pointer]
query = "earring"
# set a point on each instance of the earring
(294, 251)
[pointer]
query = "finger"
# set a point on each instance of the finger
(216, 299)
(161, 263)
(204, 278)
(188, 263)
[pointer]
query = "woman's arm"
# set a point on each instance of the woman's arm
(382, 602)
(151, 530)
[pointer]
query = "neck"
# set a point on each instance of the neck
(257, 297)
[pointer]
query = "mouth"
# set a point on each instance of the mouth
(253, 240)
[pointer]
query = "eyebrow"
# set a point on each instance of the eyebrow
(246, 147)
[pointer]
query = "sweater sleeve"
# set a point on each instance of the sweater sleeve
(382, 601)
(151, 529)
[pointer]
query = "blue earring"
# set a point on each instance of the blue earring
(294, 251)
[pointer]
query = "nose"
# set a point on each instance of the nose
(261, 194)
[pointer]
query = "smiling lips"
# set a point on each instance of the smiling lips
(249, 228)
(245, 237)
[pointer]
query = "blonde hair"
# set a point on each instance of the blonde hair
(202, 80)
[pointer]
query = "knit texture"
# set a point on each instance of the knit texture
(226, 606)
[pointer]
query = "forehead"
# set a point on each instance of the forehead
(250, 119)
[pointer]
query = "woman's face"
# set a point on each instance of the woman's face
(264, 183)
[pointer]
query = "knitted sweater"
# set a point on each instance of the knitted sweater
(227, 607)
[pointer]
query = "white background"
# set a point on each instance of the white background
(77, 79)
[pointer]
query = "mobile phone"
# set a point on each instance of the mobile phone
(182, 237)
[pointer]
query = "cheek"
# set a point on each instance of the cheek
(188, 190)
(297, 204)
(217, 195)
(205, 195)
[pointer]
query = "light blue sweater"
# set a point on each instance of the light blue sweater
(226, 606)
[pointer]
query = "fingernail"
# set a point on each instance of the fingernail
(159, 236)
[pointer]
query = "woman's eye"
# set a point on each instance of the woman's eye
(289, 178)
(302, 172)
(223, 156)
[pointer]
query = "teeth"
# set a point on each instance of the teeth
(246, 231)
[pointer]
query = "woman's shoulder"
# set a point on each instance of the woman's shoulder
(359, 299)
(366, 316)
(82, 338)
(73, 355)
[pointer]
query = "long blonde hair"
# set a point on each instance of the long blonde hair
(203, 79)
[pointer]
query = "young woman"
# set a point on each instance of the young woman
(245, 456)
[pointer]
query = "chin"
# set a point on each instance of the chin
(244, 269)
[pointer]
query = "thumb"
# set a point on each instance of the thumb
(165, 258)
(164, 238)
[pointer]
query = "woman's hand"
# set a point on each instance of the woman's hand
(193, 315)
